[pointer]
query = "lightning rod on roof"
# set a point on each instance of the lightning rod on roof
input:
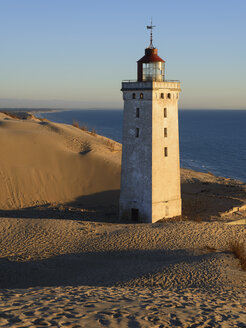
(150, 27)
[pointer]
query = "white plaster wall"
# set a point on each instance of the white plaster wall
(136, 155)
(150, 182)
(165, 170)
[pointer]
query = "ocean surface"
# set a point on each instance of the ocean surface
(210, 140)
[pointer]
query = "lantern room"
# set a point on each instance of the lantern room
(151, 67)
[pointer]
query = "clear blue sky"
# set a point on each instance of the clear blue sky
(75, 53)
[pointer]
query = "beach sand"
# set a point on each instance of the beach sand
(67, 260)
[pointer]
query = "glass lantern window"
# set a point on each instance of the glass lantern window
(154, 71)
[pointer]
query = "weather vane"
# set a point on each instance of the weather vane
(150, 27)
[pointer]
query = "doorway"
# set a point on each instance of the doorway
(135, 214)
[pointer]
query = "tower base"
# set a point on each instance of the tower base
(165, 210)
(130, 210)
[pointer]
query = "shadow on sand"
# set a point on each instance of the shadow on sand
(91, 269)
(101, 207)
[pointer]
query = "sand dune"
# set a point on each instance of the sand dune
(67, 260)
(48, 163)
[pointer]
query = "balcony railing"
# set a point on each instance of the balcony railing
(150, 81)
(149, 85)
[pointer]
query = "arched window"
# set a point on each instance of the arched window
(141, 95)
(162, 95)
(134, 96)
(169, 95)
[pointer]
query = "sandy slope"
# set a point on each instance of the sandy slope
(66, 260)
(44, 162)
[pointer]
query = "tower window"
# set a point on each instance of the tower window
(162, 95)
(137, 112)
(134, 96)
(165, 112)
(165, 151)
(165, 132)
(134, 214)
(169, 95)
(141, 95)
(137, 132)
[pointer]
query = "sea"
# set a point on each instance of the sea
(210, 140)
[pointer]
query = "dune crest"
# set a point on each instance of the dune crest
(49, 163)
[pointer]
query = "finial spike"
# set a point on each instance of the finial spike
(150, 27)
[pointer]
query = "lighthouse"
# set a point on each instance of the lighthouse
(150, 174)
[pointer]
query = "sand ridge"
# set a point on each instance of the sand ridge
(44, 162)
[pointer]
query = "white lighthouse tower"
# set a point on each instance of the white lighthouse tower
(150, 176)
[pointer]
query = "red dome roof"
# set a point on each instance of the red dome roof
(151, 56)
